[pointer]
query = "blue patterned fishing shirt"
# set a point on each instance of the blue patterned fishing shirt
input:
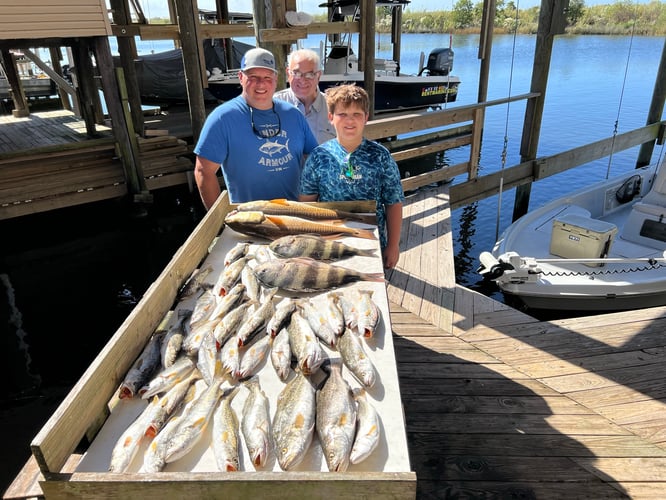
(368, 173)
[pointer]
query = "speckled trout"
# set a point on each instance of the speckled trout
(336, 419)
(294, 421)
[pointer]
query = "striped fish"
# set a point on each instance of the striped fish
(315, 247)
(301, 274)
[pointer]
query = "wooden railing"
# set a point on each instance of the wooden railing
(462, 126)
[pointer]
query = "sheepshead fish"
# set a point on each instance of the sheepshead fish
(315, 247)
(294, 421)
(281, 206)
(273, 227)
(336, 419)
(301, 274)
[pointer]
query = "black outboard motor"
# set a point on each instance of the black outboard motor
(440, 62)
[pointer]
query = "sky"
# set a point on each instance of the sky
(157, 8)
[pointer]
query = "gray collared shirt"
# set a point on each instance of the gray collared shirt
(317, 118)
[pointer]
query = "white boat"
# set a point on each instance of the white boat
(601, 248)
(434, 86)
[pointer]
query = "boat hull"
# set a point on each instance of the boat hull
(32, 87)
(392, 93)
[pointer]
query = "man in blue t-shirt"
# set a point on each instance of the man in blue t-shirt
(259, 142)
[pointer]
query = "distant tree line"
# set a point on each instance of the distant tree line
(622, 17)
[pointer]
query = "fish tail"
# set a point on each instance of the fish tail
(366, 252)
(373, 277)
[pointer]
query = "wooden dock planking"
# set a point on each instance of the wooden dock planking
(478, 427)
(498, 403)
(69, 168)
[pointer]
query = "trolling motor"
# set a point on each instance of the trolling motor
(508, 268)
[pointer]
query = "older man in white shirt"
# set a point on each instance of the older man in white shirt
(303, 73)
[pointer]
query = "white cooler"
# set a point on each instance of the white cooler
(579, 237)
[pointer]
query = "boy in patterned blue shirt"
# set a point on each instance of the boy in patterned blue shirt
(351, 167)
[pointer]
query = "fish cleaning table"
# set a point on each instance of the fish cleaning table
(386, 472)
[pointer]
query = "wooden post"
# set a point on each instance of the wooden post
(56, 57)
(121, 124)
(18, 95)
(367, 42)
(396, 34)
(656, 109)
(485, 47)
(85, 88)
(188, 25)
(222, 8)
(551, 22)
(271, 14)
(127, 51)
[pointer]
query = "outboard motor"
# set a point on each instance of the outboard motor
(440, 62)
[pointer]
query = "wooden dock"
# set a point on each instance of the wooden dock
(47, 161)
(500, 405)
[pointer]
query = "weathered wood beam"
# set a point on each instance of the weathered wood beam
(526, 172)
(170, 31)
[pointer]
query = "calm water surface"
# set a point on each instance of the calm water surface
(68, 285)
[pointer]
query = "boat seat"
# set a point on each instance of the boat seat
(646, 225)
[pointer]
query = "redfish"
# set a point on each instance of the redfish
(281, 206)
(273, 227)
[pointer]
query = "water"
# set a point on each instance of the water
(77, 274)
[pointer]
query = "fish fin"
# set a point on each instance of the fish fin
(333, 236)
(364, 218)
(280, 201)
(374, 277)
(304, 260)
(365, 233)
(275, 219)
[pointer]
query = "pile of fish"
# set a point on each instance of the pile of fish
(222, 334)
